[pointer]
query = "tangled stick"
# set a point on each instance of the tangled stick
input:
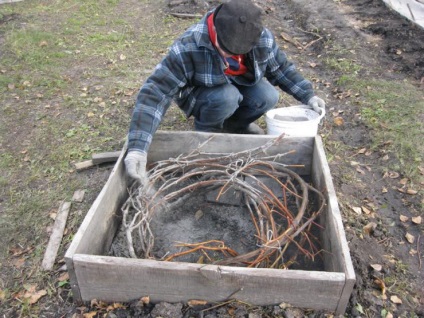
(173, 181)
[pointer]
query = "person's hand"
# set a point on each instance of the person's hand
(135, 163)
(317, 104)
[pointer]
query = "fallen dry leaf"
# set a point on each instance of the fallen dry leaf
(366, 210)
(90, 314)
(118, 305)
(393, 175)
(338, 121)
(416, 220)
(196, 302)
(115, 306)
(411, 191)
(18, 262)
(369, 228)
(401, 190)
(34, 296)
(384, 190)
(2, 295)
(396, 300)
(18, 251)
(403, 181)
(357, 210)
(360, 170)
(63, 277)
(377, 267)
(145, 300)
(410, 238)
(403, 218)
(284, 305)
(380, 283)
(362, 151)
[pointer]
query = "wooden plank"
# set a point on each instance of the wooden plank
(98, 228)
(96, 232)
(56, 236)
(335, 238)
(179, 282)
(97, 276)
(76, 294)
(99, 158)
(9, 1)
(84, 165)
(172, 144)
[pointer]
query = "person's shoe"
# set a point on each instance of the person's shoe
(251, 129)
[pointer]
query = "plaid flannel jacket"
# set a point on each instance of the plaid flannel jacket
(192, 61)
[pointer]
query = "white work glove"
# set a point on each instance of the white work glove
(317, 104)
(135, 163)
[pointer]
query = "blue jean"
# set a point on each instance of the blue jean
(232, 107)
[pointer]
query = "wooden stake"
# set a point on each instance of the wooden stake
(103, 157)
(9, 1)
(84, 165)
(56, 236)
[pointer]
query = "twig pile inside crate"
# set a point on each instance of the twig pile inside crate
(172, 182)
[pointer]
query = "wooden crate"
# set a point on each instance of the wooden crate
(95, 276)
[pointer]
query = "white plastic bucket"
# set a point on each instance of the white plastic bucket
(294, 121)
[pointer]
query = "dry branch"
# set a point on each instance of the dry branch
(173, 181)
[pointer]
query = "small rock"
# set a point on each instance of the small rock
(377, 233)
(167, 310)
(293, 313)
(198, 215)
(78, 196)
(277, 310)
(355, 313)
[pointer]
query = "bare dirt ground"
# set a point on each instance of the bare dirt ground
(387, 46)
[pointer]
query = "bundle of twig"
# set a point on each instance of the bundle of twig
(177, 179)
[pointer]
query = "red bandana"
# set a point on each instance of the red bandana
(235, 63)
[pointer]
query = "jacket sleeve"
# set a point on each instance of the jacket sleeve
(154, 99)
(280, 71)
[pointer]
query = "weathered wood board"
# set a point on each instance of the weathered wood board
(120, 279)
(56, 236)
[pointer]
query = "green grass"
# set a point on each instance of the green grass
(392, 110)
(58, 60)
